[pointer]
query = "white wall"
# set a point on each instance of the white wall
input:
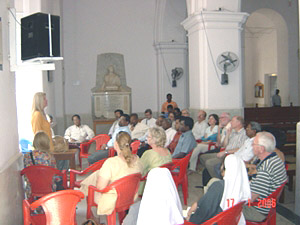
(126, 27)
(10, 188)
(289, 13)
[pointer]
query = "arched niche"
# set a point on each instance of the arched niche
(266, 56)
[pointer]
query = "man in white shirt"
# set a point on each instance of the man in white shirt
(149, 120)
(115, 125)
(170, 132)
(78, 133)
(200, 126)
(138, 130)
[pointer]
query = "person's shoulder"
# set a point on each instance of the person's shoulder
(37, 114)
(85, 126)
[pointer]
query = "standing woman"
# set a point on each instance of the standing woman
(38, 117)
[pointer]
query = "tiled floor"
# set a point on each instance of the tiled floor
(195, 179)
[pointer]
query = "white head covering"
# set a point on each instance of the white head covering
(236, 184)
(160, 204)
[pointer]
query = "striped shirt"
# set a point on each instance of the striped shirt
(236, 139)
(271, 174)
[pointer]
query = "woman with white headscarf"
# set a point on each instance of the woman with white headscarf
(160, 204)
(223, 194)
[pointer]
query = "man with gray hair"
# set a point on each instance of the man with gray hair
(271, 174)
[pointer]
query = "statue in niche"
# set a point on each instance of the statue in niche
(111, 81)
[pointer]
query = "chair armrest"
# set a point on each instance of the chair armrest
(84, 147)
(26, 212)
(64, 179)
(198, 140)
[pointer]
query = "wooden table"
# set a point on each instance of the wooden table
(101, 122)
(68, 155)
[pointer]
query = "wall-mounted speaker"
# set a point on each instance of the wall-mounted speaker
(40, 36)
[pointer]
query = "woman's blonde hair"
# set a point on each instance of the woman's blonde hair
(38, 103)
(159, 136)
(123, 139)
(41, 142)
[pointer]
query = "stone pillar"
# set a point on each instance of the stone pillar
(297, 194)
(214, 28)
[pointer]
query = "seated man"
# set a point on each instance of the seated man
(138, 130)
(149, 120)
(200, 126)
(235, 138)
(170, 132)
(118, 114)
(159, 121)
(271, 174)
(103, 153)
(224, 125)
(176, 137)
(187, 141)
(185, 112)
(168, 102)
(78, 133)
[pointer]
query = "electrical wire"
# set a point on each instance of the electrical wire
(209, 48)
(11, 12)
(163, 59)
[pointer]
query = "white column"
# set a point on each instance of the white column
(211, 33)
(297, 194)
(168, 56)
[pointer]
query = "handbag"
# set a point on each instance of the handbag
(60, 144)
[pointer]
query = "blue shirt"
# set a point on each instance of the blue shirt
(186, 143)
(114, 136)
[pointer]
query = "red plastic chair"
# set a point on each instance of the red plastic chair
(92, 168)
(59, 208)
(271, 218)
(181, 178)
(84, 147)
(135, 146)
(211, 144)
(41, 179)
(229, 216)
(126, 189)
(134, 149)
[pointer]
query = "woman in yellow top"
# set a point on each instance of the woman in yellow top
(38, 117)
(114, 168)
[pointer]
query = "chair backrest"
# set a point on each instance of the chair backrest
(169, 165)
(182, 164)
(40, 178)
(25, 145)
(128, 185)
(84, 146)
(100, 140)
(59, 207)
(229, 216)
(135, 146)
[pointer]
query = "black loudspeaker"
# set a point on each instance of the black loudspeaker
(224, 79)
(35, 35)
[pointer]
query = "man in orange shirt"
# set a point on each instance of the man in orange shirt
(168, 102)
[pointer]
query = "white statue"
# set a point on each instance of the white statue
(111, 81)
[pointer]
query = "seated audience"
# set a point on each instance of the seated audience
(160, 204)
(170, 132)
(200, 126)
(159, 121)
(224, 125)
(156, 156)
(171, 116)
(235, 138)
(177, 112)
(170, 109)
(113, 169)
(185, 112)
(210, 135)
(123, 126)
(168, 102)
(41, 154)
(78, 133)
(138, 130)
(234, 186)
(176, 137)
(118, 114)
(187, 141)
(149, 120)
(271, 174)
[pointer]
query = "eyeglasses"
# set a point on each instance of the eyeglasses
(257, 145)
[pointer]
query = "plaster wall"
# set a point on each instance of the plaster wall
(11, 194)
(289, 12)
